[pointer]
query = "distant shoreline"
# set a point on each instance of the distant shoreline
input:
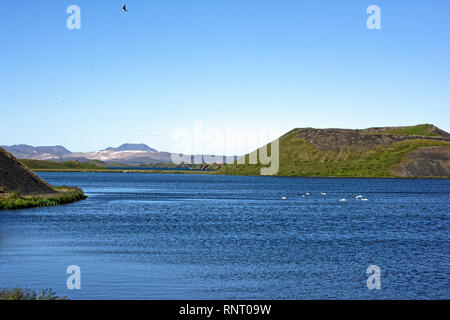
(187, 171)
(213, 172)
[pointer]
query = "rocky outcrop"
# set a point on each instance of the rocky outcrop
(426, 162)
(343, 139)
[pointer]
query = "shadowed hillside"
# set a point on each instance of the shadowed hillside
(20, 188)
(415, 151)
(15, 177)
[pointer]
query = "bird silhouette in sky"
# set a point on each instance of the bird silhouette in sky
(124, 8)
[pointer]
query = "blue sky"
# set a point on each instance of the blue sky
(139, 76)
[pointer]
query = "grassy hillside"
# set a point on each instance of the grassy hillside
(299, 157)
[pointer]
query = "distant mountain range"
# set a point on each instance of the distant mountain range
(24, 151)
(128, 153)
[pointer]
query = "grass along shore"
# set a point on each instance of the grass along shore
(63, 195)
(28, 294)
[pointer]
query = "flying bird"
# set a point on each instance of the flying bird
(124, 8)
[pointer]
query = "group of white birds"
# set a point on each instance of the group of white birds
(358, 197)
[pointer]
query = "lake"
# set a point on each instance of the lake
(181, 236)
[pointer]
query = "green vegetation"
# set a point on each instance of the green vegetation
(99, 166)
(62, 195)
(419, 130)
(69, 165)
(28, 294)
(299, 158)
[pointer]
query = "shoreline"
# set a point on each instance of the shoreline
(221, 174)
(63, 195)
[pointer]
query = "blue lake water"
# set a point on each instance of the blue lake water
(170, 236)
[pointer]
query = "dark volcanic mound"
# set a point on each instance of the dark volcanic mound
(342, 139)
(423, 162)
(15, 177)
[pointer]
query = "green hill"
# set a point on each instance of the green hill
(416, 151)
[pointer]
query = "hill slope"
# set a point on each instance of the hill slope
(416, 151)
(15, 177)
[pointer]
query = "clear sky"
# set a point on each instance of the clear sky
(138, 76)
